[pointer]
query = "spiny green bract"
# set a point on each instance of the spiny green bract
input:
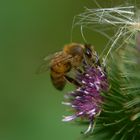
(120, 117)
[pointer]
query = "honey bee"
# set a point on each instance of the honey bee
(62, 62)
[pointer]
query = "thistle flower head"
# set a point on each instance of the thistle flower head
(86, 100)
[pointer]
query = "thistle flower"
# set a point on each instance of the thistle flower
(120, 116)
(86, 100)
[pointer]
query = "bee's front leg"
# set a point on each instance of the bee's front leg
(71, 80)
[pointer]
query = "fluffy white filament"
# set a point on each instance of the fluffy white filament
(123, 19)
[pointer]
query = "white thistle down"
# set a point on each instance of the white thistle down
(121, 18)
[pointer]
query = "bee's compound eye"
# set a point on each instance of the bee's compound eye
(88, 51)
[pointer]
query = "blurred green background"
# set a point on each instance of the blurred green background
(30, 107)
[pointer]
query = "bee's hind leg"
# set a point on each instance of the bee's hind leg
(71, 80)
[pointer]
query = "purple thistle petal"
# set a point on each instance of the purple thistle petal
(66, 103)
(89, 128)
(69, 118)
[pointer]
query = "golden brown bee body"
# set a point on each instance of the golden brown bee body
(62, 62)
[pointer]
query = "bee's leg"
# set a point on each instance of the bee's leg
(79, 70)
(71, 80)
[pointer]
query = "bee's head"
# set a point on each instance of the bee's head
(90, 54)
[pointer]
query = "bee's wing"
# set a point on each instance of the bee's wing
(49, 57)
(44, 67)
